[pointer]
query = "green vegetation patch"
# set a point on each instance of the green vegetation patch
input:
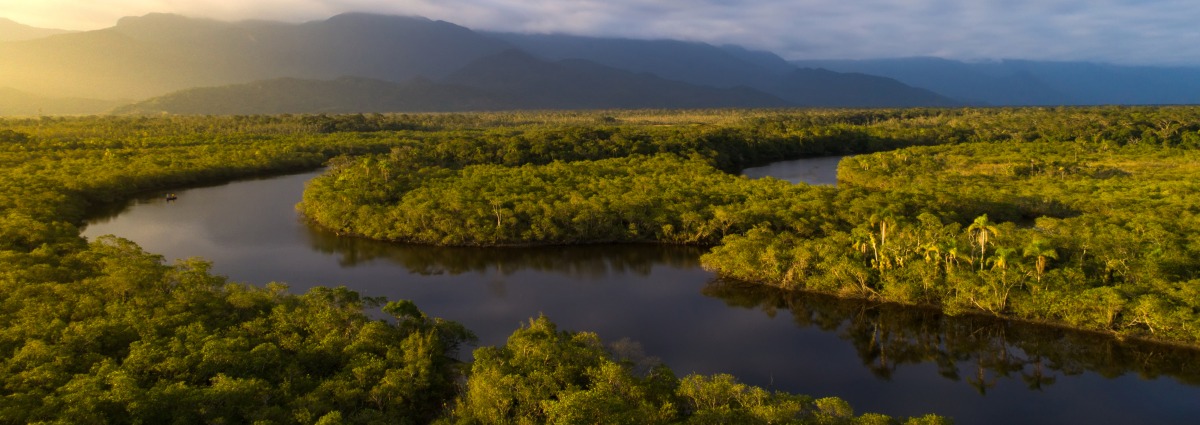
(543, 375)
(126, 338)
(660, 198)
(1091, 235)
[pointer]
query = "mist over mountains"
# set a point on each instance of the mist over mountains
(375, 63)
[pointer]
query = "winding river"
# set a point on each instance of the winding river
(657, 300)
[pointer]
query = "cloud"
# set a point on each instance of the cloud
(1121, 31)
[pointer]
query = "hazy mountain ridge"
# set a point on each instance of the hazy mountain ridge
(156, 54)
(14, 31)
(298, 96)
(416, 64)
(689, 62)
(1021, 82)
(729, 67)
(509, 80)
(824, 88)
(18, 103)
(575, 83)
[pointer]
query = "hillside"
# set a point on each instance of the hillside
(511, 80)
(294, 96)
(573, 84)
(152, 55)
(824, 88)
(18, 103)
(729, 67)
(14, 31)
(689, 62)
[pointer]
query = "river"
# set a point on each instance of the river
(658, 300)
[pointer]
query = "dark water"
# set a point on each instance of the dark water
(880, 358)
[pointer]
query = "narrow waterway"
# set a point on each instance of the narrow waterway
(880, 358)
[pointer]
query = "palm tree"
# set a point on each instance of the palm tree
(932, 252)
(981, 230)
(1041, 250)
(953, 254)
(885, 219)
(1001, 258)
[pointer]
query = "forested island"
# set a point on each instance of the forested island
(101, 331)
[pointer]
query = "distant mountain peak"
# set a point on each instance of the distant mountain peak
(374, 17)
(160, 19)
(11, 30)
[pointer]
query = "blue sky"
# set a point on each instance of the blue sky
(1153, 32)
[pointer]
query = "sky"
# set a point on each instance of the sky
(1132, 32)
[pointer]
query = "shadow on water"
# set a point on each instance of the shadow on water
(576, 261)
(105, 213)
(977, 350)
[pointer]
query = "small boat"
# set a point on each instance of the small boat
(171, 197)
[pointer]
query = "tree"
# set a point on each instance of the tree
(981, 230)
(1041, 251)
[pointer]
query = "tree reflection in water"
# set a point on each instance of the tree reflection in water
(576, 260)
(977, 350)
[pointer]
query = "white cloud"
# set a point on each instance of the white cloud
(1122, 31)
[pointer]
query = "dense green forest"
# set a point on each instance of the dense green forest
(101, 331)
(1089, 234)
(1084, 217)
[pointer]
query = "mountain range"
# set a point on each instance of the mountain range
(360, 62)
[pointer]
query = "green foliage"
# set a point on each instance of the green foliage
(136, 340)
(632, 199)
(543, 375)
(1100, 241)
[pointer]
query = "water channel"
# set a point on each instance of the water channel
(883, 359)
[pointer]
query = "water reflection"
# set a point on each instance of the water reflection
(976, 350)
(590, 261)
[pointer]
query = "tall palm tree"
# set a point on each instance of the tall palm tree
(981, 230)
